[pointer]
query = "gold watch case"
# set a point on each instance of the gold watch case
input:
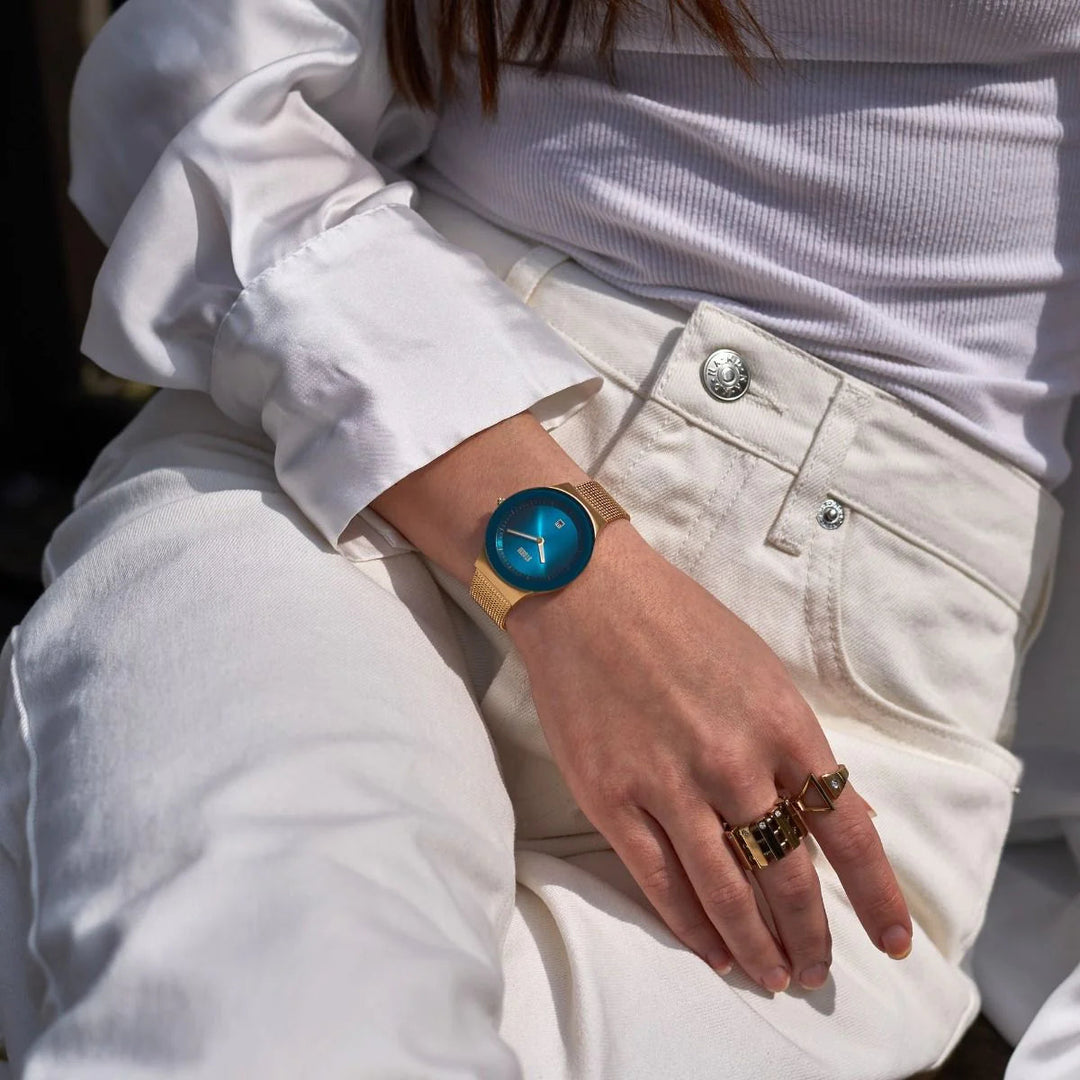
(496, 595)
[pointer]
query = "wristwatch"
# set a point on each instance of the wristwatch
(538, 540)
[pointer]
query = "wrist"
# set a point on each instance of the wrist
(619, 547)
(443, 508)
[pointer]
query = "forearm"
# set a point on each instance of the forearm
(443, 508)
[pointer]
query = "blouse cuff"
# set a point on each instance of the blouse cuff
(374, 348)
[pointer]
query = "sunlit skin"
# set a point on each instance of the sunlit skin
(654, 744)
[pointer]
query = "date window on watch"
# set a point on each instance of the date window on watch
(559, 523)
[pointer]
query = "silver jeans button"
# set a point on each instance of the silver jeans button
(830, 514)
(724, 375)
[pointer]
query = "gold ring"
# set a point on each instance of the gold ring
(780, 831)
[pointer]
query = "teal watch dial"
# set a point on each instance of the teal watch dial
(539, 539)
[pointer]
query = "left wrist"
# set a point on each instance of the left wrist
(617, 546)
(443, 507)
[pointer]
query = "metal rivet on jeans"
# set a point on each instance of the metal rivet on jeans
(724, 374)
(830, 514)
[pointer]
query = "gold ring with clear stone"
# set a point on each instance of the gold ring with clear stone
(779, 832)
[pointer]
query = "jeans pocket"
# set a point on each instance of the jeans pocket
(923, 658)
(905, 631)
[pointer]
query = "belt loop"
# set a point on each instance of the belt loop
(825, 455)
(532, 268)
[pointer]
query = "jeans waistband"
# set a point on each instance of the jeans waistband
(836, 434)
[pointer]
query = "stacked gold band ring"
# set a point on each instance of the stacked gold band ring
(779, 832)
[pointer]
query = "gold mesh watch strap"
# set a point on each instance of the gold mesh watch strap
(489, 598)
(600, 501)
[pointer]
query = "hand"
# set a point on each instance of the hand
(664, 712)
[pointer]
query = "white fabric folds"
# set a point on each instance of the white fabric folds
(239, 160)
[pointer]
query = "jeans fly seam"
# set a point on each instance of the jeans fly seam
(807, 613)
(829, 446)
(706, 505)
(721, 516)
(891, 399)
(662, 429)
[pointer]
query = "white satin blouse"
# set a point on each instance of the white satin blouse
(238, 160)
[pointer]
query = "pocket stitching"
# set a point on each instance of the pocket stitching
(684, 556)
(741, 462)
(666, 424)
(886, 712)
(842, 661)
(943, 554)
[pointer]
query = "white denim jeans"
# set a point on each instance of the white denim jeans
(1026, 959)
(268, 811)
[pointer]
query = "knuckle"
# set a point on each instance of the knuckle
(692, 930)
(729, 897)
(711, 766)
(687, 922)
(658, 882)
(798, 716)
(886, 904)
(797, 889)
(615, 789)
(856, 843)
(786, 711)
(662, 782)
(716, 761)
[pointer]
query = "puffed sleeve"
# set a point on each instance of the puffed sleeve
(238, 158)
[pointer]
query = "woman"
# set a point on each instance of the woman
(310, 767)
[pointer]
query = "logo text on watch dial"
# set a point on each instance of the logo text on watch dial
(539, 539)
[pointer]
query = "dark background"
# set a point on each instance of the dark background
(57, 408)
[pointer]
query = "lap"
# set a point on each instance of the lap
(195, 618)
(248, 755)
(231, 754)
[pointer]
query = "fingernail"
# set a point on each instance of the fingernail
(896, 942)
(720, 962)
(777, 980)
(873, 812)
(813, 978)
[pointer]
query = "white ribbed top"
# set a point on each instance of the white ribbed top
(902, 201)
